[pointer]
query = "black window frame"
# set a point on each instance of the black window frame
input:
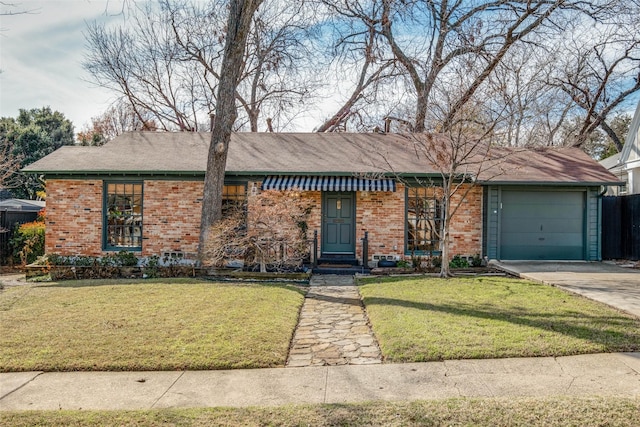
(131, 233)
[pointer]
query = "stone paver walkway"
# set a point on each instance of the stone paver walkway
(333, 328)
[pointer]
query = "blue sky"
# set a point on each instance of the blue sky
(41, 55)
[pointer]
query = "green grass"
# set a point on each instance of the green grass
(555, 412)
(425, 319)
(146, 325)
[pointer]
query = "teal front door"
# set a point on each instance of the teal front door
(338, 218)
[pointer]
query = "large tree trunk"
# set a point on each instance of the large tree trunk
(238, 24)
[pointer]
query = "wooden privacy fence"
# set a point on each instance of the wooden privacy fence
(621, 227)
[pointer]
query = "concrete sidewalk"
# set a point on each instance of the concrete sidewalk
(587, 375)
(605, 282)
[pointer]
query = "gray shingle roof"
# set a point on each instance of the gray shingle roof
(307, 153)
(22, 205)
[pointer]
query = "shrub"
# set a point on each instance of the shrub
(458, 262)
(404, 264)
(476, 261)
(55, 259)
(270, 236)
(151, 266)
(120, 259)
(78, 260)
(28, 242)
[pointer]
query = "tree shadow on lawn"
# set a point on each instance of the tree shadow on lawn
(612, 339)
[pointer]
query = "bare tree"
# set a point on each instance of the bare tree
(165, 59)
(433, 42)
(359, 51)
(241, 13)
(10, 8)
(458, 33)
(141, 62)
(461, 154)
(599, 77)
(277, 82)
(9, 164)
(598, 144)
(268, 232)
(119, 118)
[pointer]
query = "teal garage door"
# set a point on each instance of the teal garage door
(545, 225)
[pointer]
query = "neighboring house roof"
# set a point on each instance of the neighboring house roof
(21, 205)
(611, 162)
(310, 154)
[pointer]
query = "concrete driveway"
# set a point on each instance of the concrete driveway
(601, 281)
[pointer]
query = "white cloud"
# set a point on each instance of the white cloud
(41, 55)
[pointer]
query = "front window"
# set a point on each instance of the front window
(424, 219)
(123, 216)
(234, 199)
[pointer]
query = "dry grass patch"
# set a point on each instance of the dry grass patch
(423, 319)
(555, 412)
(146, 325)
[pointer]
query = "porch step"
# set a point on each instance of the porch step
(341, 271)
(328, 260)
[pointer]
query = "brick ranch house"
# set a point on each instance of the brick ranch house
(545, 206)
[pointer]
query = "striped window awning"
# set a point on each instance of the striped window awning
(328, 183)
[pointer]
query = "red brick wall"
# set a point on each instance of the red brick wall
(382, 214)
(315, 217)
(172, 209)
(74, 217)
(466, 224)
(171, 217)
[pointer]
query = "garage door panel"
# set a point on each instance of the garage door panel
(534, 211)
(526, 252)
(547, 239)
(542, 225)
(555, 197)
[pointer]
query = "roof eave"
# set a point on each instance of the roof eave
(554, 183)
(113, 173)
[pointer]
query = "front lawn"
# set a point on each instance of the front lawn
(146, 325)
(550, 412)
(425, 319)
